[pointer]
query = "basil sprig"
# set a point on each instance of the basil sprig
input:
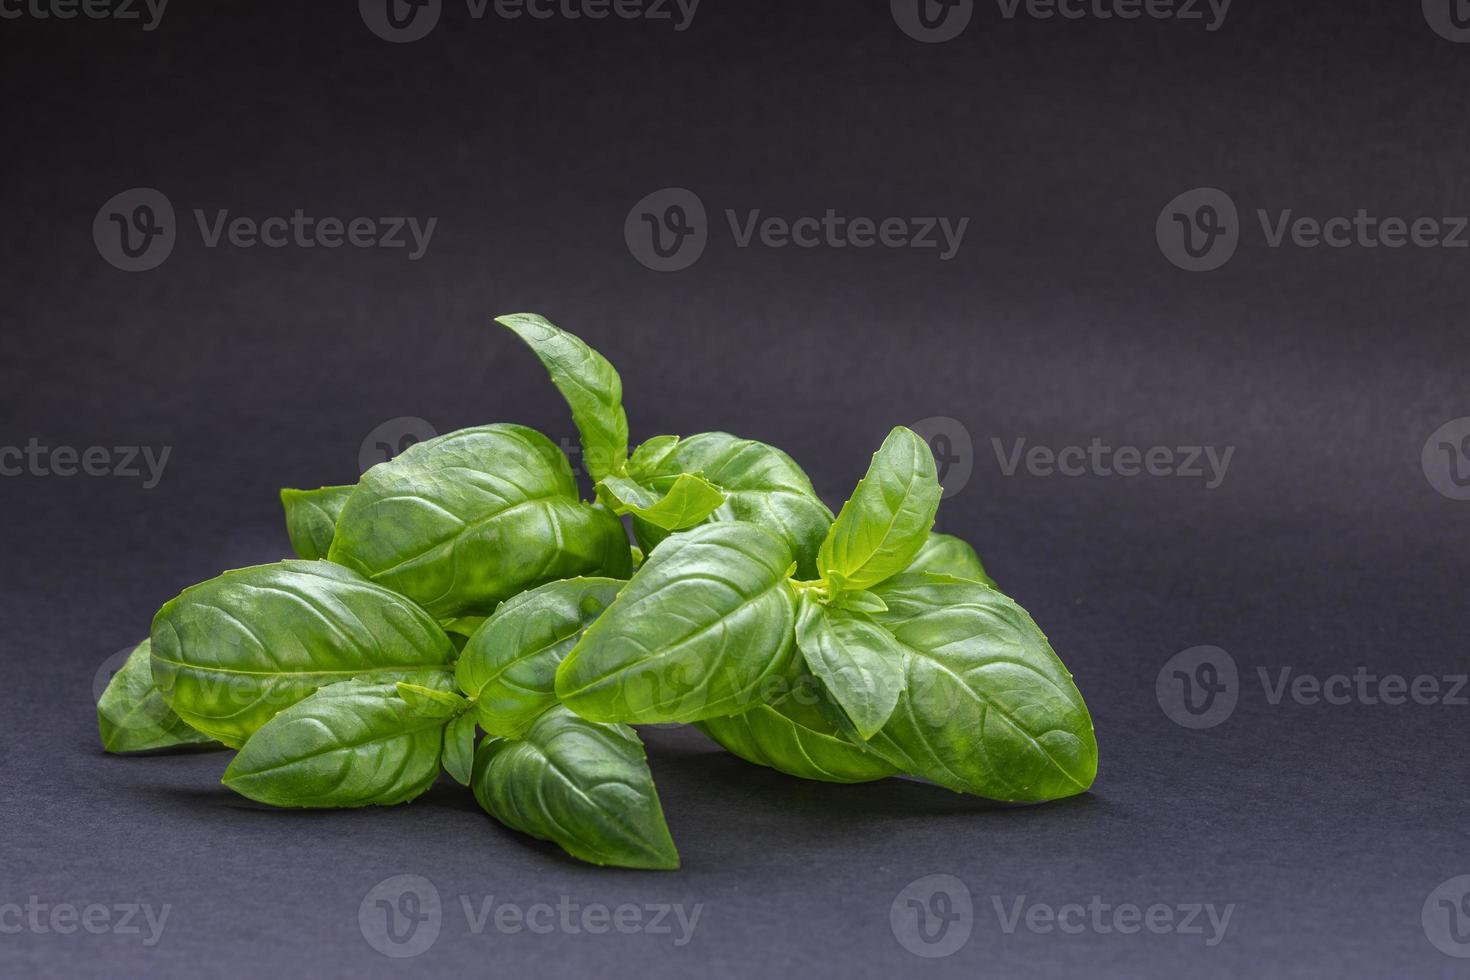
(465, 586)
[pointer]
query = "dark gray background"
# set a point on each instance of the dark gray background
(1325, 548)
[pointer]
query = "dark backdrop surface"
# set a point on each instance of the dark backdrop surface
(1332, 834)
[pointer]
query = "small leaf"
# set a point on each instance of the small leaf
(762, 485)
(132, 716)
(688, 502)
(647, 457)
(887, 519)
(945, 554)
(349, 744)
(583, 785)
(590, 385)
(311, 519)
(432, 703)
(459, 748)
(508, 668)
(859, 601)
(858, 662)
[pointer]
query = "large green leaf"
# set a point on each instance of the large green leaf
(589, 384)
(508, 668)
(353, 743)
(311, 519)
(795, 736)
(762, 485)
(857, 660)
(466, 520)
(887, 519)
(132, 716)
(700, 630)
(583, 785)
(945, 554)
(231, 652)
(987, 708)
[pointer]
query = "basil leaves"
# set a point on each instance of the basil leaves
(465, 586)
(438, 522)
(584, 785)
(231, 652)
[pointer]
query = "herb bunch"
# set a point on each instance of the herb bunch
(465, 587)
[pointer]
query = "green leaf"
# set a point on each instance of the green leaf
(696, 634)
(582, 785)
(459, 748)
(462, 625)
(762, 485)
(689, 501)
(860, 601)
(589, 384)
(229, 653)
(508, 668)
(887, 519)
(987, 707)
(858, 661)
(132, 716)
(350, 744)
(311, 519)
(432, 703)
(461, 522)
(646, 458)
(795, 736)
(945, 554)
